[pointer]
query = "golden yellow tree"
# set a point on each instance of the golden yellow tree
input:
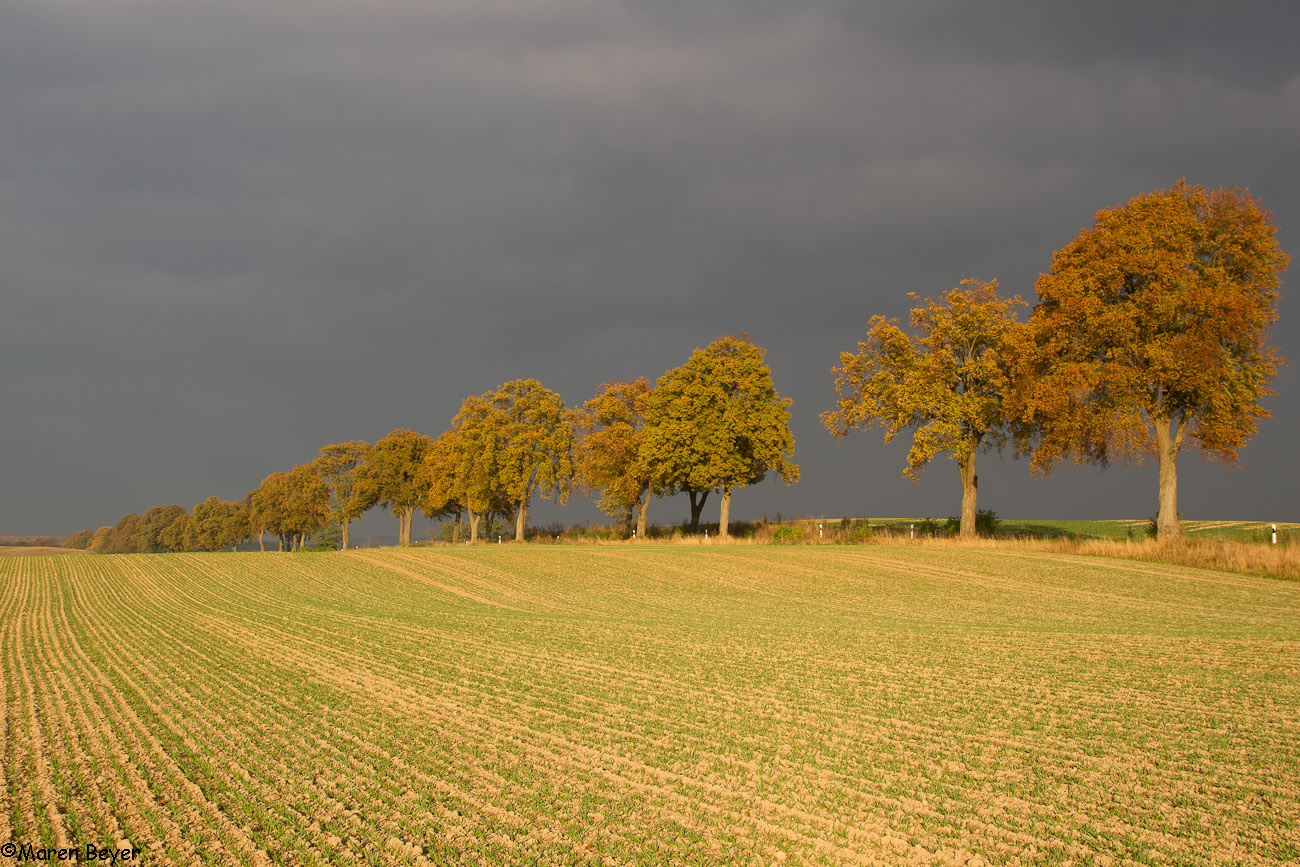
(395, 468)
(1151, 328)
(341, 467)
(947, 382)
(717, 423)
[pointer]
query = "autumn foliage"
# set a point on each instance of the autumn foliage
(1150, 332)
(1151, 328)
(717, 423)
(610, 432)
(947, 382)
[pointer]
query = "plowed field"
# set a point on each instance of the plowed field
(649, 706)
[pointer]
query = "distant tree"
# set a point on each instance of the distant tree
(216, 523)
(610, 431)
(151, 527)
(1151, 327)
(948, 382)
(203, 531)
(122, 538)
(467, 462)
(80, 540)
(717, 423)
(396, 470)
(351, 490)
(447, 496)
(536, 456)
(305, 503)
(102, 541)
(265, 510)
(173, 536)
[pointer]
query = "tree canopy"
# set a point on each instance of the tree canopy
(717, 423)
(947, 382)
(528, 432)
(396, 470)
(474, 452)
(351, 490)
(1150, 328)
(611, 430)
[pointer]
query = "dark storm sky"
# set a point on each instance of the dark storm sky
(233, 232)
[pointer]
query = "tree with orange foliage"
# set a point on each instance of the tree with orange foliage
(611, 430)
(948, 382)
(1151, 328)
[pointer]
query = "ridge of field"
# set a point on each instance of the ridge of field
(650, 705)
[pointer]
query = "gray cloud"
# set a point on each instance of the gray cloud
(231, 233)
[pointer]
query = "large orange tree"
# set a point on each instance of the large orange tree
(1150, 329)
(948, 382)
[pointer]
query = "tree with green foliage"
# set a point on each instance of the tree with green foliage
(717, 423)
(948, 382)
(610, 431)
(396, 470)
(351, 490)
(1151, 328)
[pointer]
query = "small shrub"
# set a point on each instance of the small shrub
(987, 522)
(787, 535)
(858, 533)
(928, 527)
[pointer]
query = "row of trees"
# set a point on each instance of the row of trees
(1150, 329)
(716, 423)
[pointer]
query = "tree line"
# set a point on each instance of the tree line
(714, 425)
(1149, 333)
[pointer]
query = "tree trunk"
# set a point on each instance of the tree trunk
(261, 540)
(283, 537)
(521, 521)
(641, 508)
(969, 492)
(725, 514)
(344, 524)
(404, 538)
(697, 506)
(473, 526)
(1168, 444)
(455, 530)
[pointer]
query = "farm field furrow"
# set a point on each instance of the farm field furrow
(649, 705)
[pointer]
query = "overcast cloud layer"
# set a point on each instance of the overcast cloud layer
(233, 232)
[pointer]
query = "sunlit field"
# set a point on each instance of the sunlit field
(649, 705)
